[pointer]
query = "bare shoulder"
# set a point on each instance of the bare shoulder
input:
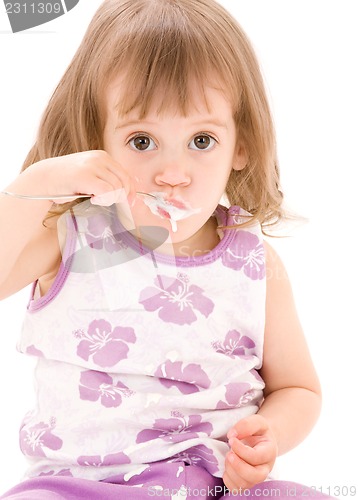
(274, 264)
(286, 360)
(279, 297)
(280, 304)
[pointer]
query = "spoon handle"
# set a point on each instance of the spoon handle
(44, 197)
(69, 197)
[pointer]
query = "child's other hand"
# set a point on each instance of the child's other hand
(252, 455)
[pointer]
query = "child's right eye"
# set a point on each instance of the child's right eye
(142, 143)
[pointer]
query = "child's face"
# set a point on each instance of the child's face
(186, 158)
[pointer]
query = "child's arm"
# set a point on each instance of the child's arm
(25, 250)
(28, 250)
(292, 392)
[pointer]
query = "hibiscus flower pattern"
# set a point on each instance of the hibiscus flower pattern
(237, 394)
(200, 456)
(99, 386)
(234, 344)
(105, 345)
(98, 461)
(176, 299)
(187, 378)
(176, 429)
(249, 256)
(36, 439)
(99, 235)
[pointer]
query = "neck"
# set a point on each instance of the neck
(200, 243)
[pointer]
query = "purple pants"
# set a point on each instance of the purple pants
(167, 481)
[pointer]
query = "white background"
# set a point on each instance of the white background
(308, 53)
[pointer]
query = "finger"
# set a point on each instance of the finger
(116, 169)
(232, 480)
(243, 474)
(114, 180)
(109, 198)
(105, 167)
(263, 451)
(235, 488)
(249, 426)
(98, 186)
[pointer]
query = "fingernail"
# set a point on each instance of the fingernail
(231, 441)
(232, 433)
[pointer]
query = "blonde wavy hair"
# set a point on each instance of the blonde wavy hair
(158, 44)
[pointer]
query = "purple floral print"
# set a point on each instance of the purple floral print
(63, 472)
(187, 378)
(237, 394)
(98, 385)
(234, 344)
(97, 461)
(106, 346)
(33, 351)
(35, 440)
(176, 429)
(200, 455)
(99, 235)
(177, 300)
(249, 256)
(257, 376)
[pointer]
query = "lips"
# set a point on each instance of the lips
(177, 203)
(172, 209)
(163, 213)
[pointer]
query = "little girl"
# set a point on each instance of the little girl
(171, 361)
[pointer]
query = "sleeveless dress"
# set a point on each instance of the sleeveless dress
(145, 361)
(143, 357)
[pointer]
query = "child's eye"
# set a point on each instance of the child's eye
(142, 143)
(202, 142)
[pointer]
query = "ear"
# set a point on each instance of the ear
(240, 158)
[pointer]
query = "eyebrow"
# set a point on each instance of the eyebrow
(130, 123)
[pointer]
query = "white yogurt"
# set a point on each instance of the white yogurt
(172, 209)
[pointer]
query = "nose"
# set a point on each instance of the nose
(173, 174)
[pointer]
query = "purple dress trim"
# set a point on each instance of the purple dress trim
(64, 270)
(224, 216)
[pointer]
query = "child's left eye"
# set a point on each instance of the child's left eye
(202, 142)
(142, 143)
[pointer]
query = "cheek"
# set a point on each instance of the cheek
(213, 183)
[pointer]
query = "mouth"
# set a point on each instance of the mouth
(172, 209)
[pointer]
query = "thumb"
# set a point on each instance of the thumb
(248, 426)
